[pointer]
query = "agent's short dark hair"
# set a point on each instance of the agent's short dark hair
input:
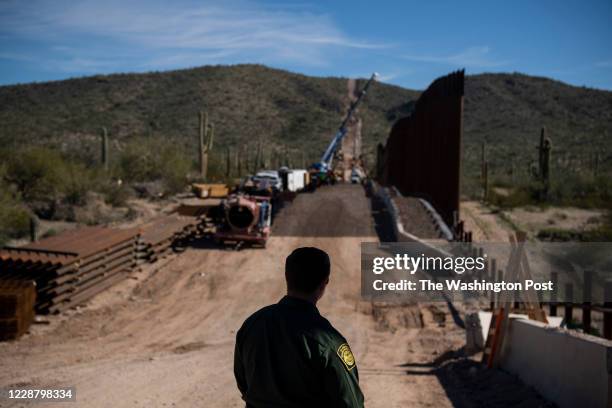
(306, 268)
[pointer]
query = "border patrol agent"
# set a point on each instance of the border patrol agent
(288, 355)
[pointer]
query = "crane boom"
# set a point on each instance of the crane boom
(328, 155)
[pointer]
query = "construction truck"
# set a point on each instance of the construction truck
(245, 215)
(321, 172)
(245, 219)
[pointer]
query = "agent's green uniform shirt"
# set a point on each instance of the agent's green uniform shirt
(288, 355)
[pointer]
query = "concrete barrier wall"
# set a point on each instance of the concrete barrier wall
(570, 369)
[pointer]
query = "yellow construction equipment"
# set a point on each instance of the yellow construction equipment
(210, 190)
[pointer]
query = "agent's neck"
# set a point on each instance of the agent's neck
(312, 298)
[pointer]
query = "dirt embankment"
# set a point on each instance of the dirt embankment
(166, 337)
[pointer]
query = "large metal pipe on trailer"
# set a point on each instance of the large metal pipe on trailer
(246, 219)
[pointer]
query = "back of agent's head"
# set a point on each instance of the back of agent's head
(306, 269)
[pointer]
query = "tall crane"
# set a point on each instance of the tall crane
(320, 169)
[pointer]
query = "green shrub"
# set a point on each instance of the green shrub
(152, 159)
(175, 166)
(116, 194)
(38, 173)
(14, 218)
(136, 163)
(78, 180)
(566, 189)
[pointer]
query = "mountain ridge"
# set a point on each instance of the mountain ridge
(297, 112)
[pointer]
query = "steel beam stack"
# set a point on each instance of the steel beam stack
(17, 300)
(164, 233)
(71, 267)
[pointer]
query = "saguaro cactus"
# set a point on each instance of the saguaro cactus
(544, 157)
(207, 133)
(237, 158)
(483, 159)
(247, 157)
(596, 165)
(260, 156)
(485, 181)
(104, 149)
(228, 162)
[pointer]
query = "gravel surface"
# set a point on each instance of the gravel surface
(415, 218)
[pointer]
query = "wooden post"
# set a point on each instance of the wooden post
(483, 160)
(485, 182)
(569, 300)
(499, 278)
(459, 231)
(607, 329)
(554, 277)
(586, 301)
(480, 254)
(493, 272)
(203, 122)
(33, 228)
(104, 149)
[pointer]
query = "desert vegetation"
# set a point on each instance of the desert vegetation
(53, 149)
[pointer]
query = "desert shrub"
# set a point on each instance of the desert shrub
(175, 167)
(45, 179)
(116, 194)
(78, 180)
(151, 159)
(38, 173)
(136, 163)
(566, 189)
(526, 194)
(582, 190)
(14, 218)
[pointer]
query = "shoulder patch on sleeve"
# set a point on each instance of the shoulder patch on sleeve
(346, 355)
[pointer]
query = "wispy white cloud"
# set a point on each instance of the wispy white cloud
(604, 64)
(473, 57)
(389, 76)
(17, 56)
(170, 34)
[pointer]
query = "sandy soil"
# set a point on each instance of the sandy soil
(534, 219)
(486, 226)
(489, 226)
(166, 337)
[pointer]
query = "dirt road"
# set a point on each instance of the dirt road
(167, 338)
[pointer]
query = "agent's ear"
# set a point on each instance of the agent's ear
(321, 290)
(324, 284)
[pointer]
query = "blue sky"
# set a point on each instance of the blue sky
(408, 42)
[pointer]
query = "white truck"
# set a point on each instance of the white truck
(293, 179)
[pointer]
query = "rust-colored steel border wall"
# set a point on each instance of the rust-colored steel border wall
(422, 156)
